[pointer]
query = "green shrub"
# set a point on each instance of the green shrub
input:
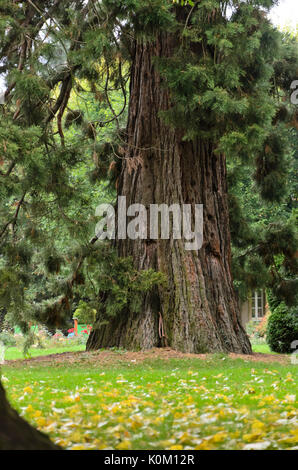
(85, 314)
(7, 339)
(282, 328)
(273, 301)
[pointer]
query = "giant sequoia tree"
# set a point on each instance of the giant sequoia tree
(201, 91)
(167, 94)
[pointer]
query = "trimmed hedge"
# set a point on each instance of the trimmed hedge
(282, 329)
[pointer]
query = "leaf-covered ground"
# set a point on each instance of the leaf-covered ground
(138, 402)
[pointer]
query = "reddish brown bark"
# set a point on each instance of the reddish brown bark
(198, 307)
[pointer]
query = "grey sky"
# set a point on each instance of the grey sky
(285, 14)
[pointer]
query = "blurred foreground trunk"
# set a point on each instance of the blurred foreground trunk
(16, 433)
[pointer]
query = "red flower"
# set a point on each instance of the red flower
(71, 330)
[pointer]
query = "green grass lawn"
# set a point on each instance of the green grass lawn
(216, 403)
(262, 348)
(17, 353)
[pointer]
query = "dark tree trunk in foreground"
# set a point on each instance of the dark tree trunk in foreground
(17, 434)
(198, 307)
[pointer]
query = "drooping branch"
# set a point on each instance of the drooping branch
(13, 221)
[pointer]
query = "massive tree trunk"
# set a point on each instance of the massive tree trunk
(17, 434)
(197, 311)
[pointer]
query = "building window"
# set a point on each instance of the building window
(258, 309)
